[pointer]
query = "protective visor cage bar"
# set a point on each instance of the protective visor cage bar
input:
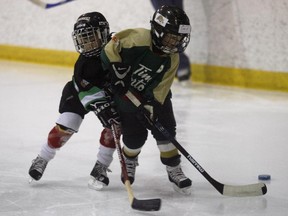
(87, 40)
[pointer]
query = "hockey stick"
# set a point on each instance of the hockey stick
(227, 190)
(141, 205)
(49, 5)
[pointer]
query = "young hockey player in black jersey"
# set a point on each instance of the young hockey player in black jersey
(145, 62)
(87, 91)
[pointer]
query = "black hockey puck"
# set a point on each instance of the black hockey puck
(264, 177)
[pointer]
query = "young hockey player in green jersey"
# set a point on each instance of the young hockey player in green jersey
(145, 62)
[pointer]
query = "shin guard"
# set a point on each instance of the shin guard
(107, 138)
(58, 137)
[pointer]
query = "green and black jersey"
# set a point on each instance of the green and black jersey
(90, 79)
(152, 74)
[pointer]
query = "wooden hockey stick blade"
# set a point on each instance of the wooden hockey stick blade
(141, 205)
(49, 5)
(146, 205)
(38, 3)
(257, 189)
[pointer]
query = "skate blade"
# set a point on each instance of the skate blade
(30, 180)
(96, 185)
(185, 191)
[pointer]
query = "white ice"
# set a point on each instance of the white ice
(235, 134)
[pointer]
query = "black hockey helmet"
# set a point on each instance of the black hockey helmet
(90, 34)
(170, 29)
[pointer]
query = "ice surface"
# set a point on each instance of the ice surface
(234, 134)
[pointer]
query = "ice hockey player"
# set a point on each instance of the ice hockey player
(145, 62)
(87, 91)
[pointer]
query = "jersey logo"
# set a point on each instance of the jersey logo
(121, 72)
(143, 75)
(160, 69)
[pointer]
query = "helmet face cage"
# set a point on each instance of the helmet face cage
(170, 28)
(90, 34)
(89, 41)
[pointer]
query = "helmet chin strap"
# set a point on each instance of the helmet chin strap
(157, 50)
(169, 50)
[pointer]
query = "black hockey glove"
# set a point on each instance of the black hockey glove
(106, 112)
(120, 77)
(146, 114)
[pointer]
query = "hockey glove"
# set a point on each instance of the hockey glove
(146, 114)
(106, 112)
(120, 77)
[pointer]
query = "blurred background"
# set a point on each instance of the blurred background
(236, 43)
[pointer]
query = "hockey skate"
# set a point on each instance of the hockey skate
(131, 164)
(37, 168)
(181, 183)
(98, 177)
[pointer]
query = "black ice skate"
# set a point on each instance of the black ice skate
(183, 74)
(37, 168)
(98, 177)
(131, 164)
(180, 182)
